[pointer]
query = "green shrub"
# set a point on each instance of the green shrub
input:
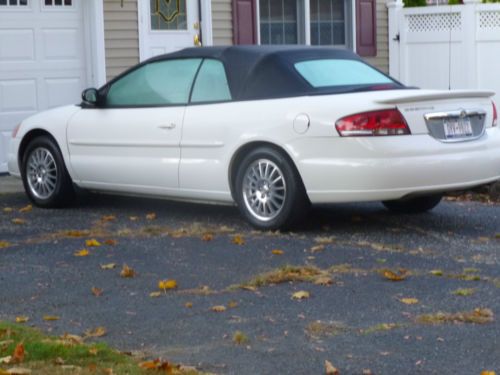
(414, 3)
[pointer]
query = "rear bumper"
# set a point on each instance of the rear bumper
(368, 169)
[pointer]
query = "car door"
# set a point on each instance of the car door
(131, 142)
(209, 129)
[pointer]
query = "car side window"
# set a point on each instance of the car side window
(211, 83)
(165, 82)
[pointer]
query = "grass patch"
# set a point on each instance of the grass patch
(464, 276)
(476, 316)
(436, 272)
(46, 355)
(464, 292)
(319, 329)
(285, 274)
(380, 328)
(471, 270)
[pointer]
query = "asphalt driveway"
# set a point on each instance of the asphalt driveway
(441, 318)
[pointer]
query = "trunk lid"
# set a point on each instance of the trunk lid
(448, 116)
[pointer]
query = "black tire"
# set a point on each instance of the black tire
(293, 205)
(60, 193)
(413, 205)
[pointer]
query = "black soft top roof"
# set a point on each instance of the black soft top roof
(258, 72)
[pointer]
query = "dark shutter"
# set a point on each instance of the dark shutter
(366, 37)
(244, 22)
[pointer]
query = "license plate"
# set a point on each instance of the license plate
(457, 128)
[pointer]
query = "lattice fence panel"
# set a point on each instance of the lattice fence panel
(489, 20)
(421, 23)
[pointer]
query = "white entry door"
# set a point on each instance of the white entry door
(42, 60)
(167, 26)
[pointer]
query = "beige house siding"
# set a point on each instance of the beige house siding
(121, 36)
(222, 22)
(381, 61)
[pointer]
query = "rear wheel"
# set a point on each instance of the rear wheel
(268, 190)
(45, 178)
(413, 205)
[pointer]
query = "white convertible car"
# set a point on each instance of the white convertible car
(273, 129)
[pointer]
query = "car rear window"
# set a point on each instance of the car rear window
(331, 73)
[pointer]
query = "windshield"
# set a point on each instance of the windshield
(331, 73)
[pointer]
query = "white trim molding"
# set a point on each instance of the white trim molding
(93, 19)
(207, 37)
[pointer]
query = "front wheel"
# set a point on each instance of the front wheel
(269, 191)
(45, 178)
(413, 205)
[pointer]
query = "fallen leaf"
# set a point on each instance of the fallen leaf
(92, 243)
(96, 332)
(8, 209)
(301, 295)
(127, 272)
(436, 272)
(486, 372)
(207, 237)
(155, 294)
(6, 360)
(330, 369)
(18, 371)
(18, 355)
(240, 338)
(22, 319)
(323, 280)
(108, 266)
(58, 361)
(232, 304)
(18, 221)
(149, 365)
(76, 233)
(367, 371)
(81, 253)
(409, 301)
(27, 208)
(219, 308)
(188, 305)
(277, 252)
(4, 244)
(167, 284)
(151, 216)
(96, 291)
(72, 339)
(317, 248)
(401, 275)
(108, 218)
(110, 242)
(238, 240)
(50, 318)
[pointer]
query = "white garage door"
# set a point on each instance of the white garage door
(42, 59)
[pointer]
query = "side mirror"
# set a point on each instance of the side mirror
(90, 97)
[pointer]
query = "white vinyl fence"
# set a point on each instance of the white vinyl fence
(446, 47)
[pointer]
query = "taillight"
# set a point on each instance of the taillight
(495, 116)
(376, 123)
(15, 130)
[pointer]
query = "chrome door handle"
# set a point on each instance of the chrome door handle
(167, 126)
